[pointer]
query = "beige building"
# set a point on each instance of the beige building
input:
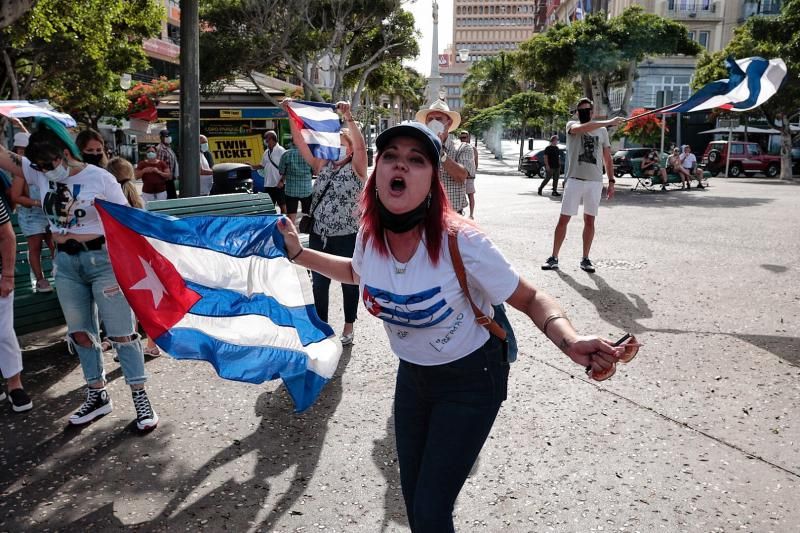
(482, 28)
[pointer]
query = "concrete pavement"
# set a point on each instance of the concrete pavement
(699, 433)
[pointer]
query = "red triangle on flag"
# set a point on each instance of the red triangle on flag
(152, 285)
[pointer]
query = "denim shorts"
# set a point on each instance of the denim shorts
(31, 221)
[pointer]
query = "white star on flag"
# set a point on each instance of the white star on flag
(150, 282)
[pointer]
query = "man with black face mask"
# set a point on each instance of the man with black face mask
(588, 150)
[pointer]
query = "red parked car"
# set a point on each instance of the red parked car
(745, 158)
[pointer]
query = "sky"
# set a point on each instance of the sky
(422, 11)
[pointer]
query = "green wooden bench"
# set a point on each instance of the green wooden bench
(650, 181)
(37, 311)
(32, 311)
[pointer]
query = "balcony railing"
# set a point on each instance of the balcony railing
(687, 9)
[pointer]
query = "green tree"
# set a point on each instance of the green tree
(602, 53)
(346, 38)
(399, 82)
(490, 81)
(73, 52)
(768, 37)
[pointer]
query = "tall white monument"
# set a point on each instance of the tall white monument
(435, 80)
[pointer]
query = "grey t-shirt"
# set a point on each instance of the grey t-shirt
(585, 153)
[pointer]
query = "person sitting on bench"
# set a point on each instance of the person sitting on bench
(688, 167)
(650, 167)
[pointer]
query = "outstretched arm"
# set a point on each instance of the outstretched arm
(359, 162)
(331, 266)
(11, 162)
(548, 316)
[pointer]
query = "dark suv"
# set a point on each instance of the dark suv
(623, 159)
(745, 158)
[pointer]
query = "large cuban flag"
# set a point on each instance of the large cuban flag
(220, 289)
(25, 109)
(319, 125)
(751, 82)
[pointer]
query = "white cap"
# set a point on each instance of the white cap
(21, 139)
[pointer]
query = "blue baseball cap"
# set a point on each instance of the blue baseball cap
(415, 130)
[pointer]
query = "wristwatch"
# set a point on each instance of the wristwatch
(443, 157)
(612, 180)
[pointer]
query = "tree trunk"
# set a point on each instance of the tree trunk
(786, 149)
(628, 96)
(11, 76)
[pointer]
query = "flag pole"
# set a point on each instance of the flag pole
(662, 110)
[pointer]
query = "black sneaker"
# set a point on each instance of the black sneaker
(20, 401)
(540, 191)
(586, 265)
(97, 404)
(551, 263)
(555, 193)
(663, 187)
(146, 417)
(700, 186)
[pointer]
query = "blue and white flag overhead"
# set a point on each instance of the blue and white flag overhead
(220, 289)
(751, 82)
(26, 109)
(319, 125)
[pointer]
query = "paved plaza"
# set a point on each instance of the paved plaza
(700, 433)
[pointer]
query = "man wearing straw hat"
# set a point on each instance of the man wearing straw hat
(456, 162)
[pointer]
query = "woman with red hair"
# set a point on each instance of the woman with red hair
(452, 376)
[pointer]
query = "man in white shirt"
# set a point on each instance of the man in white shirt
(689, 161)
(273, 182)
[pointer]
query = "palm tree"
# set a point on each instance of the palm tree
(490, 81)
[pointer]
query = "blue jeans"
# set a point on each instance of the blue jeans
(86, 285)
(343, 246)
(443, 415)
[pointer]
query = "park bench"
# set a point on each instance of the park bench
(37, 311)
(648, 182)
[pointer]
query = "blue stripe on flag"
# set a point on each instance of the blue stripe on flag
(251, 364)
(237, 236)
(755, 70)
(223, 302)
(324, 152)
(323, 119)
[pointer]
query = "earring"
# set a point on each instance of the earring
(429, 201)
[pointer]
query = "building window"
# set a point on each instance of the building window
(174, 34)
(702, 38)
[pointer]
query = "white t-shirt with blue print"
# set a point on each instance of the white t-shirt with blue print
(428, 319)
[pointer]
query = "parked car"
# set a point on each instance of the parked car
(623, 159)
(532, 163)
(796, 160)
(745, 158)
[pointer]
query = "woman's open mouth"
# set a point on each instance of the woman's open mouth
(397, 184)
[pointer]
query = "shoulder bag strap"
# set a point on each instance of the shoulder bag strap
(269, 156)
(458, 265)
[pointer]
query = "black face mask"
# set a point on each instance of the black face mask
(584, 115)
(92, 159)
(403, 222)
